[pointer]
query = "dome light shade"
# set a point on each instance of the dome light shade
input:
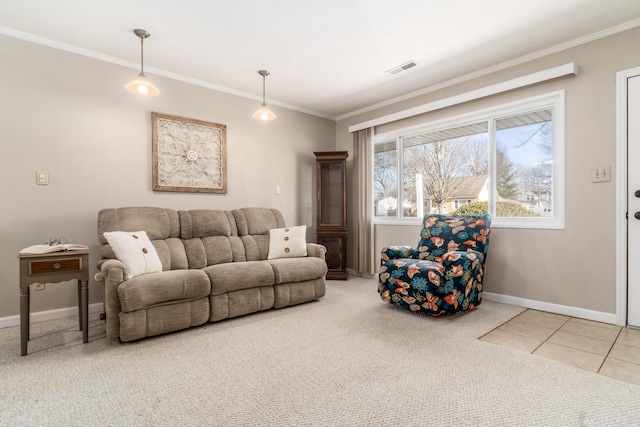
(263, 113)
(141, 84)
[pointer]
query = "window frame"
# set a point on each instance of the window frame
(552, 100)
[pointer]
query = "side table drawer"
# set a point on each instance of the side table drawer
(55, 266)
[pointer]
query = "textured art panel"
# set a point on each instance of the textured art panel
(188, 155)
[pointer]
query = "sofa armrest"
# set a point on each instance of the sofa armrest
(396, 252)
(114, 273)
(316, 250)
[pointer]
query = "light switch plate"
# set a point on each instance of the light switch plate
(601, 173)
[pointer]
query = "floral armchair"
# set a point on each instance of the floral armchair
(444, 273)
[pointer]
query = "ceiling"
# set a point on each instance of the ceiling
(327, 58)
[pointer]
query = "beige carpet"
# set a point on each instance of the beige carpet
(346, 360)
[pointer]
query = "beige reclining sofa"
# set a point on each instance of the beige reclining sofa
(214, 266)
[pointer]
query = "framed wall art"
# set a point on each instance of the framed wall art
(188, 155)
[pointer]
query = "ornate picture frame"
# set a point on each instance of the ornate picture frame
(188, 155)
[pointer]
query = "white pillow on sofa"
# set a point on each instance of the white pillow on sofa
(135, 250)
(289, 242)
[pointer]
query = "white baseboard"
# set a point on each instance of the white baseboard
(581, 313)
(566, 310)
(42, 316)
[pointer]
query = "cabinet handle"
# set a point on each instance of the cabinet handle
(56, 266)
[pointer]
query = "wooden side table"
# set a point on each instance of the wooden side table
(54, 267)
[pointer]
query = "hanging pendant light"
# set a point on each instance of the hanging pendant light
(263, 113)
(141, 84)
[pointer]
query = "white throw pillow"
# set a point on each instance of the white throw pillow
(135, 250)
(288, 242)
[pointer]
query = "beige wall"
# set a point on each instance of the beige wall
(70, 115)
(571, 267)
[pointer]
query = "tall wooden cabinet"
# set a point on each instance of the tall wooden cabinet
(331, 200)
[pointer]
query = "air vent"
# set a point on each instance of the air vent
(403, 67)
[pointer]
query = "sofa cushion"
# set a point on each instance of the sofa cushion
(257, 220)
(210, 237)
(206, 222)
(158, 288)
(234, 276)
(288, 270)
(159, 223)
(135, 250)
(288, 242)
(253, 228)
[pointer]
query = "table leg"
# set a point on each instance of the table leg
(24, 319)
(80, 304)
(84, 311)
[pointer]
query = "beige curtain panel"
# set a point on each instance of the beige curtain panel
(364, 260)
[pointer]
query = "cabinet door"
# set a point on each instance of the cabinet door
(331, 194)
(335, 242)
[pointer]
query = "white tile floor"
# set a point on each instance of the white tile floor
(597, 347)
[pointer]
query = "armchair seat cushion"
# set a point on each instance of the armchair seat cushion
(420, 285)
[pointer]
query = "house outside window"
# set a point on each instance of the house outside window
(507, 161)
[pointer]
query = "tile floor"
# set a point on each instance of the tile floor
(597, 347)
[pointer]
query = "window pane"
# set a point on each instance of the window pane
(524, 165)
(385, 176)
(445, 169)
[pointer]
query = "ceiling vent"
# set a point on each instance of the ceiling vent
(403, 67)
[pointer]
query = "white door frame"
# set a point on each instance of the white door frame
(621, 193)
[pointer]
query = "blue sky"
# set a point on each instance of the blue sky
(529, 154)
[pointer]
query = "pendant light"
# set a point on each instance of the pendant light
(263, 113)
(141, 84)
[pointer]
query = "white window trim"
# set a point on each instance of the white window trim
(553, 99)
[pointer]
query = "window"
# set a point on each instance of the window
(506, 161)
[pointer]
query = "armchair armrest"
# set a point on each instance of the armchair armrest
(396, 252)
(466, 268)
(456, 257)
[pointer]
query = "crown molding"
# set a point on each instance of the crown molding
(431, 88)
(155, 71)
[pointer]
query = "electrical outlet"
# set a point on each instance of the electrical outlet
(601, 173)
(38, 286)
(42, 178)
